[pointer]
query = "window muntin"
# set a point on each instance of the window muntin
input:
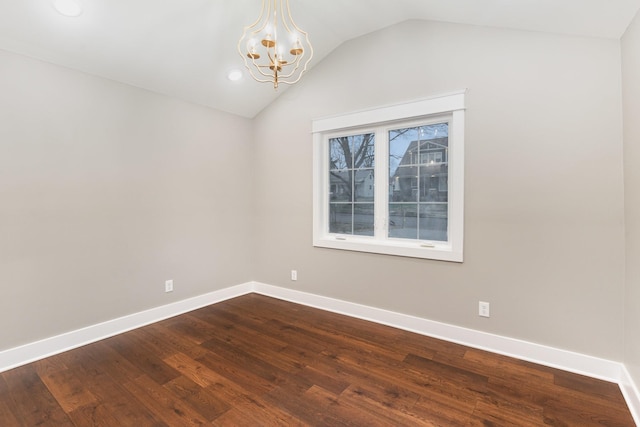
(426, 218)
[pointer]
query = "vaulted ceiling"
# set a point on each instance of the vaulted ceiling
(185, 48)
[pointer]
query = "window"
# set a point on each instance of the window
(391, 180)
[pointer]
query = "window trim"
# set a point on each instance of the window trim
(451, 105)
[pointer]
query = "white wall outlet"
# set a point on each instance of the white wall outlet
(294, 275)
(168, 286)
(483, 309)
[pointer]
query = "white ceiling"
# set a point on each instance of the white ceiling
(184, 48)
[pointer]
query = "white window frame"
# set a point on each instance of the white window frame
(452, 107)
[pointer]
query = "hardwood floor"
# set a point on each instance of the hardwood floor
(256, 361)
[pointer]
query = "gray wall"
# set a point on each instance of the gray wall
(544, 237)
(631, 103)
(106, 191)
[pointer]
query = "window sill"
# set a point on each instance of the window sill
(413, 249)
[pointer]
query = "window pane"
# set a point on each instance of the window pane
(338, 148)
(341, 218)
(363, 219)
(405, 184)
(403, 220)
(340, 186)
(419, 172)
(443, 185)
(433, 221)
(364, 185)
(351, 184)
(400, 151)
(434, 183)
(436, 149)
(362, 150)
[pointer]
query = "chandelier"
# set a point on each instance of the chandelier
(274, 48)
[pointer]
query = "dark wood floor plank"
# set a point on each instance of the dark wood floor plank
(582, 384)
(323, 403)
(330, 329)
(178, 342)
(191, 328)
(257, 343)
(109, 361)
(163, 404)
(324, 380)
(256, 412)
(233, 370)
(500, 409)
(486, 363)
(7, 416)
(227, 391)
(258, 361)
(194, 370)
(441, 410)
(566, 404)
(30, 400)
(385, 410)
(50, 365)
(68, 390)
(490, 413)
(559, 398)
(142, 357)
(207, 402)
(293, 400)
(99, 414)
(266, 368)
(446, 374)
(114, 402)
(143, 337)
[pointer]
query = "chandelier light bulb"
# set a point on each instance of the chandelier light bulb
(296, 48)
(268, 41)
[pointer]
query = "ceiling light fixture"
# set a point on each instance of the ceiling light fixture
(274, 47)
(234, 75)
(71, 8)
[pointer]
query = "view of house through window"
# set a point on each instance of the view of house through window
(418, 182)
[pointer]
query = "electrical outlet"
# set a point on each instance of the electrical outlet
(168, 286)
(483, 309)
(294, 275)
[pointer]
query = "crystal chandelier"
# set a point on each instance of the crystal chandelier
(274, 48)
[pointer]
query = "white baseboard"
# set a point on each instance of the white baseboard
(31, 352)
(536, 353)
(631, 394)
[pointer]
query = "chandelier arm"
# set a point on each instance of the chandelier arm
(264, 2)
(293, 23)
(262, 18)
(284, 21)
(301, 31)
(259, 68)
(296, 65)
